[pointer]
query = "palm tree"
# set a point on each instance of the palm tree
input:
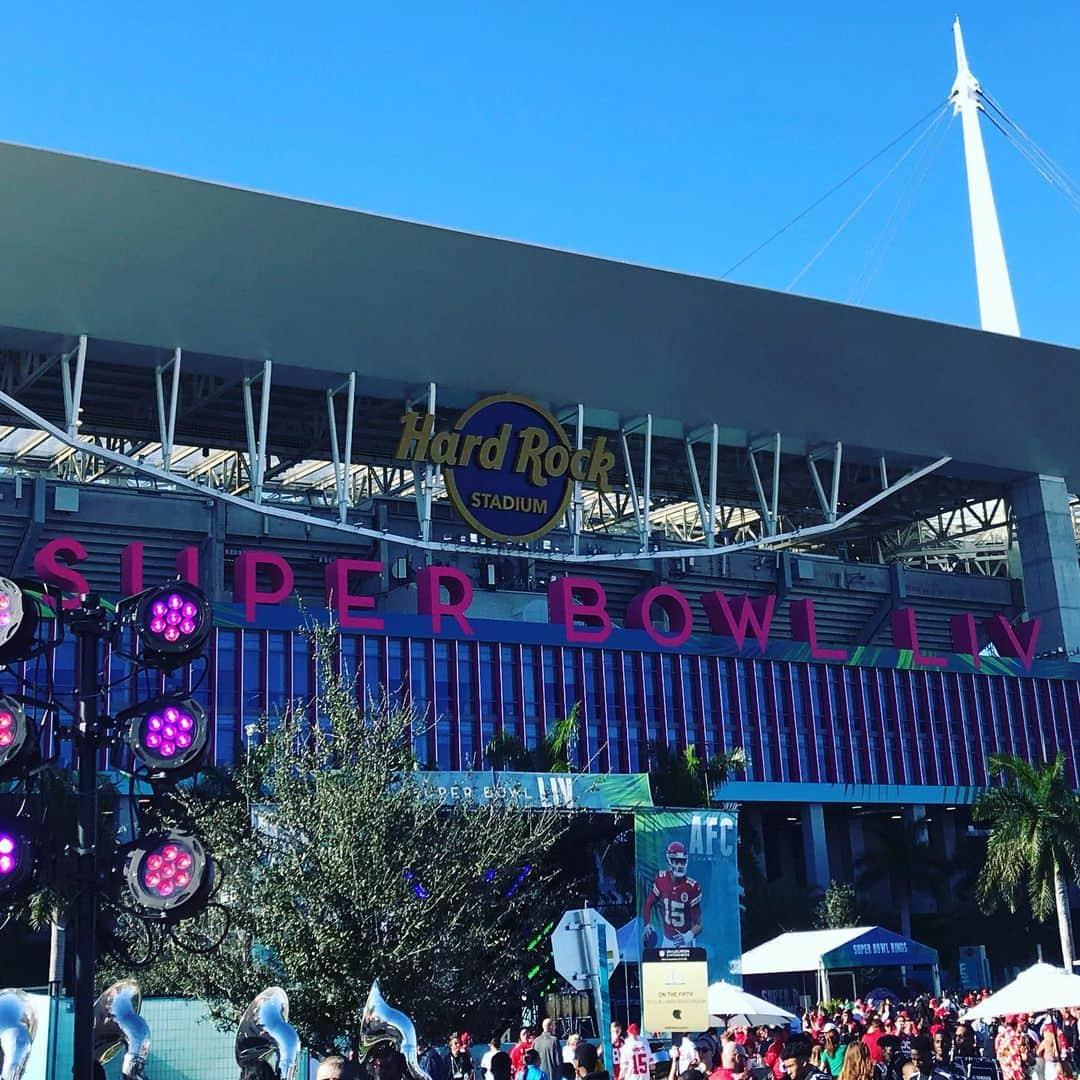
(1034, 841)
(505, 751)
(686, 779)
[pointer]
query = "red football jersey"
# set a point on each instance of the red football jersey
(680, 902)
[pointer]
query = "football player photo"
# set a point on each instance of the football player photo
(678, 899)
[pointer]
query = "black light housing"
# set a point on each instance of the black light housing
(18, 737)
(18, 858)
(168, 735)
(169, 875)
(172, 623)
(18, 622)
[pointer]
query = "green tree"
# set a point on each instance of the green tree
(837, 907)
(1034, 844)
(687, 779)
(341, 865)
(554, 753)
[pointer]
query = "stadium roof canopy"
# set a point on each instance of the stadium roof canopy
(141, 260)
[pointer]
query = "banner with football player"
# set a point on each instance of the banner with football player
(687, 877)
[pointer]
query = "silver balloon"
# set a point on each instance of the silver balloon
(265, 1032)
(383, 1023)
(18, 1026)
(118, 1025)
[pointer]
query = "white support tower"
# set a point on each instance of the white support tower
(997, 311)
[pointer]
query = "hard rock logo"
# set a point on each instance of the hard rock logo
(508, 464)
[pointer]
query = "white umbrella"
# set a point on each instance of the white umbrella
(1038, 989)
(728, 1000)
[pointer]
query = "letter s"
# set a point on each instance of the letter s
(53, 564)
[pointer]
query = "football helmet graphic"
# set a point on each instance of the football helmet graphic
(676, 859)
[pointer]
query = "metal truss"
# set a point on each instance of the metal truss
(726, 512)
(975, 538)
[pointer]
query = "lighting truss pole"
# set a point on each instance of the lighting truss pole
(89, 628)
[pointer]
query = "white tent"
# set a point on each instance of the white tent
(822, 951)
(1041, 988)
(726, 1000)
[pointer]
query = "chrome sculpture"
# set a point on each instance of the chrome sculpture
(118, 1025)
(265, 1033)
(18, 1026)
(383, 1023)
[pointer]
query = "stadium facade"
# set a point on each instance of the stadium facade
(523, 480)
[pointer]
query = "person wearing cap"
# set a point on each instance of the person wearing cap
(635, 1057)
(706, 1055)
(832, 1056)
(1050, 1053)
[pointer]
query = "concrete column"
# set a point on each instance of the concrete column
(915, 818)
(1044, 530)
(948, 833)
(753, 830)
(815, 845)
(857, 843)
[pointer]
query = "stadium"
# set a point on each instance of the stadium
(524, 480)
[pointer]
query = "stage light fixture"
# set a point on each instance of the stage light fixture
(18, 621)
(17, 858)
(172, 623)
(16, 737)
(169, 875)
(168, 734)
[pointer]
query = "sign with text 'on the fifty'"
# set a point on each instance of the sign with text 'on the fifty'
(509, 466)
(675, 989)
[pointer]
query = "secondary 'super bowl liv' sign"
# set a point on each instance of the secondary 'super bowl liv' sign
(508, 464)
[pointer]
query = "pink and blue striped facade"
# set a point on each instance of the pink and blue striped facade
(804, 725)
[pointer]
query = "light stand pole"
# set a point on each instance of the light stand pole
(89, 627)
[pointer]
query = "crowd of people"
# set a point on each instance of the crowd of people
(924, 1039)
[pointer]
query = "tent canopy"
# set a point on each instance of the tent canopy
(851, 947)
(1041, 988)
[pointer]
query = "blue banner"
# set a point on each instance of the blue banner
(687, 875)
(879, 947)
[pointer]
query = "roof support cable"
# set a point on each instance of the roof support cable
(875, 261)
(941, 107)
(862, 202)
(1053, 173)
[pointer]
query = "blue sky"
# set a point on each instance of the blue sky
(672, 135)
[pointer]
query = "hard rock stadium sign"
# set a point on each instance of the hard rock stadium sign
(509, 466)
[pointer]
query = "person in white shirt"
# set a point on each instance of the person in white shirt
(635, 1057)
(572, 1041)
(485, 1061)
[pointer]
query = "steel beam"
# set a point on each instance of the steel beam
(167, 426)
(46, 429)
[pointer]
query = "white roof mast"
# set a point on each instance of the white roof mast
(997, 311)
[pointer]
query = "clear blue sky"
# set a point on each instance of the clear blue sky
(674, 135)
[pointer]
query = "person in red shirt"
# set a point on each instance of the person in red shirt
(679, 900)
(517, 1052)
(774, 1053)
(872, 1038)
